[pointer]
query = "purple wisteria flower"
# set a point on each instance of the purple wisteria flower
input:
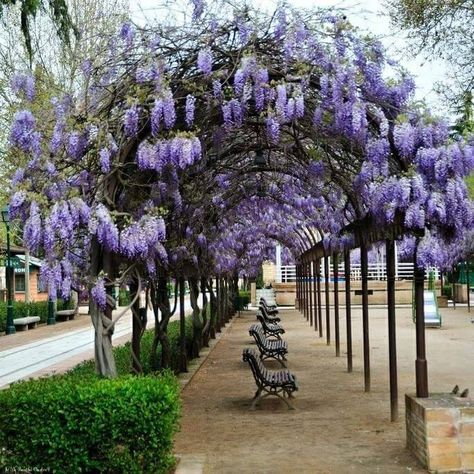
(86, 67)
(281, 23)
(281, 101)
(18, 176)
(290, 109)
(76, 145)
(104, 159)
(156, 116)
(273, 130)
(239, 81)
(404, 136)
(299, 106)
(99, 293)
(140, 238)
(217, 89)
(102, 225)
(127, 33)
(198, 8)
(317, 116)
(147, 156)
(23, 84)
(169, 113)
(130, 121)
(32, 229)
(190, 107)
(244, 28)
(23, 134)
(58, 138)
(204, 61)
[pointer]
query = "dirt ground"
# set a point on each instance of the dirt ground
(336, 427)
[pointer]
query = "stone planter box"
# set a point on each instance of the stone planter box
(442, 301)
(460, 293)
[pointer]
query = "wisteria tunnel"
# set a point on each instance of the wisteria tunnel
(188, 152)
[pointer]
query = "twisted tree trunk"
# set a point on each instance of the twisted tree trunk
(213, 312)
(196, 316)
(161, 304)
(138, 328)
(206, 321)
(102, 320)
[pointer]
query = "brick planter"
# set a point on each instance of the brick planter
(440, 432)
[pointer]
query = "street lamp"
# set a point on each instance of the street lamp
(259, 159)
(51, 313)
(8, 273)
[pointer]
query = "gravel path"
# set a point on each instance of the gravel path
(336, 427)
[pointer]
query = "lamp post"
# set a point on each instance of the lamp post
(10, 329)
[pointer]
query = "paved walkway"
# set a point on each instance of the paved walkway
(336, 427)
(49, 349)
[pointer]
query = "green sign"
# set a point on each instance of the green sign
(15, 262)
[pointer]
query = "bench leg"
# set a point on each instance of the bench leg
(288, 404)
(256, 399)
(257, 393)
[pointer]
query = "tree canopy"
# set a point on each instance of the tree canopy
(28, 10)
(441, 29)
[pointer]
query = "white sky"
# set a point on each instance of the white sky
(370, 16)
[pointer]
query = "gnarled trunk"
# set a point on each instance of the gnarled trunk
(161, 303)
(104, 356)
(196, 316)
(206, 321)
(213, 312)
(138, 328)
(102, 320)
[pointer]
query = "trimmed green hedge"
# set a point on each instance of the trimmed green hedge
(66, 424)
(123, 357)
(37, 308)
(124, 297)
(242, 300)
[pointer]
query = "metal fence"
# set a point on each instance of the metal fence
(376, 271)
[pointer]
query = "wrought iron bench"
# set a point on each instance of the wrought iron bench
(271, 382)
(269, 348)
(271, 310)
(270, 319)
(270, 329)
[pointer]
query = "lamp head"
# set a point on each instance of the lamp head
(260, 159)
(6, 214)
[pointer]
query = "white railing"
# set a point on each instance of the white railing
(376, 271)
(287, 274)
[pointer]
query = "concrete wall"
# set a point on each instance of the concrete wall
(269, 272)
(286, 292)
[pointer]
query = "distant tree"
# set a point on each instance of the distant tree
(465, 126)
(28, 10)
(441, 29)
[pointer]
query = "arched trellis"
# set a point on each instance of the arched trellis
(163, 140)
